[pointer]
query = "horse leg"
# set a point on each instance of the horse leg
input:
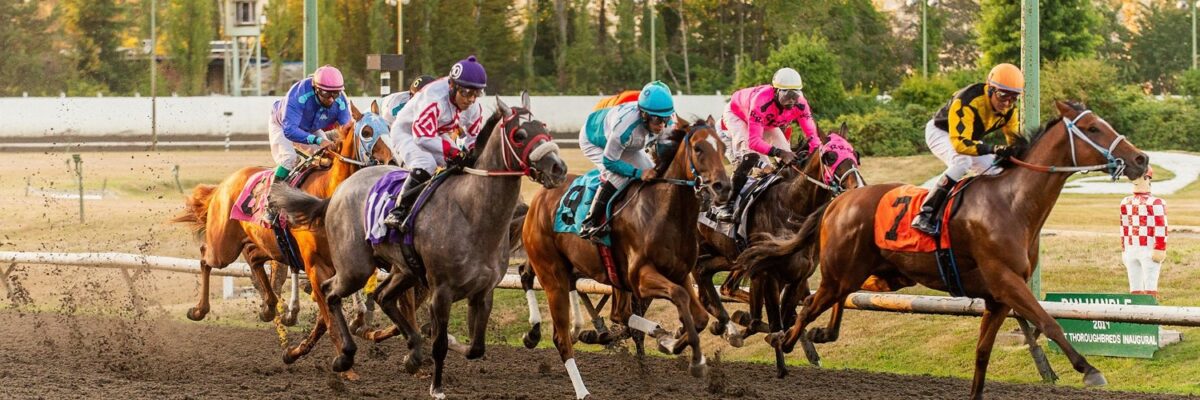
(392, 290)
(440, 315)
(576, 315)
(478, 311)
(201, 310)
(791, 297)
(732, 286)
(712, 302)
(336, 288)
(262, 282)
(1013, 292)
(993, 317)
(293, 305)
(534, 335)
(652, 284)
(305, 346)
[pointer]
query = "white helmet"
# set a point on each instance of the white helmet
(787, 78)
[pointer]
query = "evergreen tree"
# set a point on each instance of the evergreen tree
(283, 37)
(188, 28)
(94, 28)
(1068, 30)
(1162, 47)
(24, 57)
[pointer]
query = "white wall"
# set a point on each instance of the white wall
(99, 117)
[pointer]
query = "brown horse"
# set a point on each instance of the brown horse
(654, 245)
(779, 209)
(224, 239)
(994, 237)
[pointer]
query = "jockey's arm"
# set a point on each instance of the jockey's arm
(614, 148)
(1012, 130)
(343, 104)
(293, 113)
(810, 130)
(962, 125)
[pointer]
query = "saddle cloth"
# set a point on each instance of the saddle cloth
(893, 221)
(736, 229)
(574, 205)
(380, 202)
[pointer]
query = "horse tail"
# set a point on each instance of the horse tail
(515, 227)
(195, 212)
(303, 209)
(770, 247)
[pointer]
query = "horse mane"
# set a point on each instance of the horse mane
(486, 133)
(1041, 132)
(675, 136)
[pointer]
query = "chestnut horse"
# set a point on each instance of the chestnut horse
(654, 246)
(994, 237)
(781, 208)
(224, 239)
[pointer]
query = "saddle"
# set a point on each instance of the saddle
(382, 198)
(743, 207)
(893, 229)
(573, 208)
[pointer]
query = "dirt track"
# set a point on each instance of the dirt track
(51, 355)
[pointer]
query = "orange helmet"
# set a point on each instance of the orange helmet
(1007, 77)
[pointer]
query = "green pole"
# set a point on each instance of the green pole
(1030, 106)
(310, 36)
(653, 33)
(924, 40)
(1193, 33)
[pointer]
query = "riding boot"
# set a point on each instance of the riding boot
(931, 210)
(724, 212)
(280, 177)
(408, 196)
(594, 225)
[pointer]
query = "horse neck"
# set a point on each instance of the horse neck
(801, 196)
(680, 197)
(341, 170)
(1034, 193)
(482, 195)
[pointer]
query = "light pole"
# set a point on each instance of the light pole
(153, 77)
(653, 48)
(924, 33)
(1186, 4)
(400, 85)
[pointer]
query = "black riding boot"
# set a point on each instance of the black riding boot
(408, 196)
(931, 211)
(724, 212)
(593, 225)
(272, 212)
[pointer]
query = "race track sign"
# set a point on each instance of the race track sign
(1116, 339)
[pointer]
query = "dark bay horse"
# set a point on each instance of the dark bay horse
(224, 239)
(462, 236)
(780, 209)
(994, 236)
(654, 246)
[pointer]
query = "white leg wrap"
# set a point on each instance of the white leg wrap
(437, 395)
(294, 297)
(576, 380)
(644, 325)
(535, 316)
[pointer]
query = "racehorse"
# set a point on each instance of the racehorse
(462, 236)
(994, 237)
(208, 212)
(778, 209)
(654, 245)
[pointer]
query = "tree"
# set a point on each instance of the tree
(283, 36)
(1161, 49)
(26, 58)
(94, 28)
(188, 28)
(1068, 30)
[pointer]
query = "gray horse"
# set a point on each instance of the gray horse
(461, 235)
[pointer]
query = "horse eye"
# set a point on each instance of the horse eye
(520, 135)
(1093, 129)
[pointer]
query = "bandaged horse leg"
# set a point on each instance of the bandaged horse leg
(576, 316)
(293, 305)
(534, 335)
(600, 335)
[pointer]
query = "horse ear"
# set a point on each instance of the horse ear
(843, 130)
(680, 122)
(710, 121)
(1065, 109)
(504, 109)
(525, 100)
(375, 107)
(354, 111)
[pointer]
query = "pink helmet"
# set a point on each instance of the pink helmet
(328, 78)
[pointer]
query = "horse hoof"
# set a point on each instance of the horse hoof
(288, 319)
(1094, 378)
(781, 373)
(350, 376)
(698, 370)
(532, 337)
(588, 337)
(717, 328)
(436, 392)
(288, 358)
(343, 363)
(267, 314)
(666, 346)
(195, 314)
(735, 340)
(412, 363)
(775, 339)
(741, 318)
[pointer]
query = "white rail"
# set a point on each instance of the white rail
(1162, 315)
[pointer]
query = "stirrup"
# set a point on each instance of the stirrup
(926, 226)
(721, 214)
(394, 221)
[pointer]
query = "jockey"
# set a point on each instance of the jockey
(955, 135)
(421, 133)
(396, 101)
(752, 121)
(297, 121)
(615, 139)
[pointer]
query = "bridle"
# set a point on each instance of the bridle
(1114, 166)
(518, 151)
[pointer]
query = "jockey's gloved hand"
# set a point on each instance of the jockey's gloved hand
(327, 144)
(648, 174)
(786, 157)
(1003, 151)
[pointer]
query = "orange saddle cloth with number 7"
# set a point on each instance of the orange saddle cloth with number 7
(893, 221)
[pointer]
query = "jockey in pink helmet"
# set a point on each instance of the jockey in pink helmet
(751, 128)
(298, 121)
(421, 133)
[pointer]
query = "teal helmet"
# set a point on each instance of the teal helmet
(656, 100)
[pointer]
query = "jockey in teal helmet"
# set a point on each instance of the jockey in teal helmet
(615, 138)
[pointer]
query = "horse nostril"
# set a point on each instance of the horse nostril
(1142, 160)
